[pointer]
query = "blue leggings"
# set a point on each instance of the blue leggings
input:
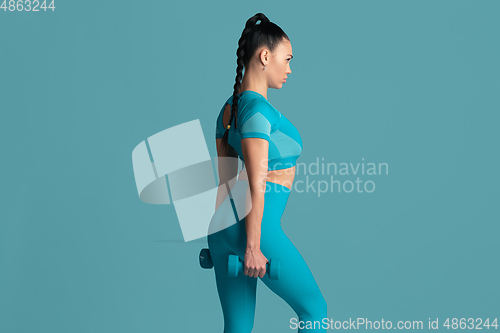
(296, 285)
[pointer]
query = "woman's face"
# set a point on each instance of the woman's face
(278, 66)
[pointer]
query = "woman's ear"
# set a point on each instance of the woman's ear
(264, 56)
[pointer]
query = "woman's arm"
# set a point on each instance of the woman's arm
(227, 162)
(255, 154)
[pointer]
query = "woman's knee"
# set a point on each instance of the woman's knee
(323, 308)
(315, 309)
(239, 327)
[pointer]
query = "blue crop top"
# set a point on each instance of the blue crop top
(257, 118)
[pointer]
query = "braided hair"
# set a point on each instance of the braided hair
(253, 36)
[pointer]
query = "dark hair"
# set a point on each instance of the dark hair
(253, 37)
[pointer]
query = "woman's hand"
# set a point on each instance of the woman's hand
(254, 263)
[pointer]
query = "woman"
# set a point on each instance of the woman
(249, 127)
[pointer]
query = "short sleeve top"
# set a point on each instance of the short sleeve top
(257, 118)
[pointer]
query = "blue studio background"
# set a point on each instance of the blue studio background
(414, 84)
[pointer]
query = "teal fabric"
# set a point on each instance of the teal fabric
(296, 285)
(257, 118)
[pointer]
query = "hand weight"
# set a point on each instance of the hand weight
(235, 265)
(206, 259)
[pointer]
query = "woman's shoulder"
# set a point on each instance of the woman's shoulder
(259, 111)
(252, 104)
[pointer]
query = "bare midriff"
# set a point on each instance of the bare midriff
(283, 177)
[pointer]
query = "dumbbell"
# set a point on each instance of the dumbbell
(206, 259)
(235, 265)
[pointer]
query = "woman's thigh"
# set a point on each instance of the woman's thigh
(237, 294)
(296, 284)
